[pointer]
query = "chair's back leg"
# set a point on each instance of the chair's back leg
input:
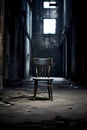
(48, 89)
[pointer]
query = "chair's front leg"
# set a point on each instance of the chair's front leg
(51, 90)
(35, 88)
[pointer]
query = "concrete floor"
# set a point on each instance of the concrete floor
(67, 110)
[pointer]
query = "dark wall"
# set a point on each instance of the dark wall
(14, 40)
(75, 24)
(81, 48)
(68, 39)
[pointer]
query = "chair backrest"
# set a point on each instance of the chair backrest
(42, 66)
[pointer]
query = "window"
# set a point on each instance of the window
(49, 23)
(49, 26)
(51, 4)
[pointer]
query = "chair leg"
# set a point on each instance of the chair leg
(51, 90)
(35, 88)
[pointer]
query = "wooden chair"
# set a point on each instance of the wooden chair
(42, 70)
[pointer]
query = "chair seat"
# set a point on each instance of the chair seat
(42, 78)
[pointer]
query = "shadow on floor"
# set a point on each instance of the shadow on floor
(57, 122)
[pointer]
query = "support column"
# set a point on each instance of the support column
(27, 46)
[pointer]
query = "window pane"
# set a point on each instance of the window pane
(52, 26)
(51, 4)
(46, 4)
(49, 26)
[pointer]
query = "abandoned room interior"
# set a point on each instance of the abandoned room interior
(43, 29)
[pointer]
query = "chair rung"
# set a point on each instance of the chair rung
(44, 85)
